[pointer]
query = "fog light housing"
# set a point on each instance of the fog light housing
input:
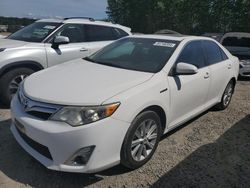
(81, 157)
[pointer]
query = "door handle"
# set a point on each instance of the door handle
(206, 75)
(83, 49)
(229, 66)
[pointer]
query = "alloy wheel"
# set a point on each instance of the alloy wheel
(228, 94)
(14, 84)
(144, 140)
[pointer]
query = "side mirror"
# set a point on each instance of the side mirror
(185, 69)
(58, 40)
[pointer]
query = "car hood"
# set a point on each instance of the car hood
(8, 43)
(80, 82)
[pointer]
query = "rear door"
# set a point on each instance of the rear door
(189, 92)
(220, 66)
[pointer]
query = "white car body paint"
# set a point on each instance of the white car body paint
(84, 83)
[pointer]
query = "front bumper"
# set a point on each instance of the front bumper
(62, 140)
(245, 70)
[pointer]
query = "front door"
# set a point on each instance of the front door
(189, 92)
(77, 47)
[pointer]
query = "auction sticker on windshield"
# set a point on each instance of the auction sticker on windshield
(164, 44)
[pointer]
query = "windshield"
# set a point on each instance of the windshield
(35, 32)
(236, 42)
(238, 46)
(139, 54)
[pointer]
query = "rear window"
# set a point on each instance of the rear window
(99, 33)
(213, 52)
(120, 33)
(236, 42)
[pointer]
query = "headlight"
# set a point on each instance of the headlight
(76, 116)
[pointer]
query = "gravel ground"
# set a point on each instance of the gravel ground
(211, 151)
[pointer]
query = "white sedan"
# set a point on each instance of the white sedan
(112, 107)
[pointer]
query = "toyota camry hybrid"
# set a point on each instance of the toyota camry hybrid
(113, 106)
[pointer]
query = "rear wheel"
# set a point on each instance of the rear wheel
(10, 81)
(141, 140)
(226, 97)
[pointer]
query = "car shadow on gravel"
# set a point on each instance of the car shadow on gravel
(224, 163)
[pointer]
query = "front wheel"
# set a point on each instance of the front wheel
(141, 140)
(226, 97)
(10, 81)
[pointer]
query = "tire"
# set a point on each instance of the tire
(226, 97)
(135, 161)
(10, 81)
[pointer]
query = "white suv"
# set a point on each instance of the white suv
(50, 42)
(238, 44)
(113, 106)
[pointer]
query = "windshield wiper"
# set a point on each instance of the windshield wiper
(89, 59)
(109, 64)
(102, 63)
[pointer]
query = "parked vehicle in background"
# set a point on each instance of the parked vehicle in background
(112, 107)
(167, 32)
(215, 36)
(239, 45)
(50, 42)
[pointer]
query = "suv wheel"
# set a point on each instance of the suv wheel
(10, 81)
(226, 97)
(141, 140)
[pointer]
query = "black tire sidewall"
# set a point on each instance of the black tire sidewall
(5, 80)
(126, 157)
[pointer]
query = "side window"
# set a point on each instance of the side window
(213, 52)
(75, 32)
(224, 56)
(193, 54)
(99, 33)
(120, 33)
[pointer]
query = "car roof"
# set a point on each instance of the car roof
(90, 21)
(172, 37)
(237, 34)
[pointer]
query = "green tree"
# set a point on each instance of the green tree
(185, 16)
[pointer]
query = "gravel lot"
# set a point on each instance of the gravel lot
(211, 151)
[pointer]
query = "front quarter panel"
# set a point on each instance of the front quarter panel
(135, 100)
(30, 52)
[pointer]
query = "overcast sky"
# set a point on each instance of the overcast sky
(53, 8)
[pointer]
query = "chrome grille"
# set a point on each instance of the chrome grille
(37, 109)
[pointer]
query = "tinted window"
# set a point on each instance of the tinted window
(120, 33)
(213, 52)
(35, 32)
(193, 54)
(224, 56)
(140, 54)
(99, 33)
(75, 32)
(236, 41)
